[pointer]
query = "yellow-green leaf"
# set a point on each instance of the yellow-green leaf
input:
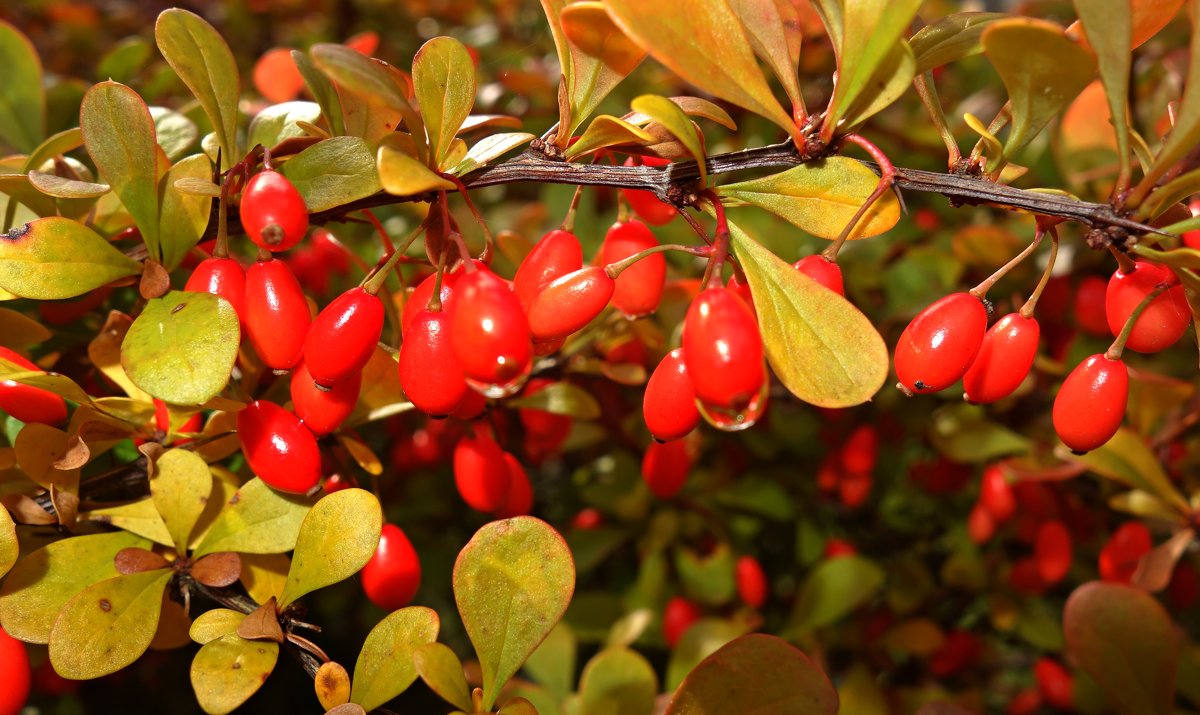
(402, 175)
(373, 81)
(617, 680)
(264, 575)
(605, 131)
(9, 548)
(52, 258)
(175, 132)
(1042, 69)
(512, 582)
(214, 624)
(385, 666)
(228, 670)
(442, 671)
(703, 42)
(338, 537)
(951, 38)
(182, 347)
(61, 188)
(18, 330)
(774, 31)
(675, 121)
(182, 216)
(108, 625)
(488, 148)
(198, 54)
(834, 589)
(552, 664)
(444, 82)
(1127, 460)
(60, 143)
(1108, 26)
(601, 55)
(180, 488)
(258, 520)
(22, 99)
(322, 90)
(140, 517)
(333, 172)
(891, 79)
(693, 107)
(281, 121)
(560, 398)
(821, 197)
(1186, 132)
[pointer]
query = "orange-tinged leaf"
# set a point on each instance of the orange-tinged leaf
(1186, 133)
(773, 28)
(53, 258)
(589, 27)
(605, 131)
(1107, 27)
(951, 38)
(670, 116)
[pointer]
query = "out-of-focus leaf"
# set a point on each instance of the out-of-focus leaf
(552, 664)
(605, 131)
(124, 60)
(601, 55)
(53, 258)
(180, 488)
(338, 537)
(228, 670)
(951, 38)
(891, 79)
(617, 680)
(833, 589)
(385, 666)
(700, 640)
(512, 582)
(402, 175)
(442, 671)
(444, 82)
(1127, 460)
(182, 216)
(1150, 16)
(1156, 567)
(706, 578)
(174, 132)
(489, 148)
(182, 347)
(1124, 639)
(965, 434)
(1107, 26)
(333, 172)
(870, 31)
(672, 118)
(18, 330)
(560, 398)
(258, 520)
(22, 99)
(821, 347)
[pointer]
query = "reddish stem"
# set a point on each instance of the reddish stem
(379, 229)
(887, 177)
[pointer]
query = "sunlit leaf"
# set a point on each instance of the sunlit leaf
(693, 107)
(773, 29)
(228, 670)
(552, 663)
(489, 148)
(182, 216)
(62, 188)
(617, 680)
(512, 582)
(54, 258)
(139, 517)
(891, 79)
(108, 625)
(700, 640)
(1108, 28)
(605, 131)
(1150, 16)
(174, 132)
(835, 588)
(60, 385)
(402, 175)
(9, 548)
(870, 31)
(672, 118)
(322, 90)
(214, 624)
(339, 535)
(258, 520)
(22, 99)
(1127, 460)
(385, 666)
(333, 172)
(38, 448)
(823, 349)
(180, 487)
(279, 121)
(54, 145)
(951, 38)
(442, 671)
(600, 55)
(374, 82)
(444, 82)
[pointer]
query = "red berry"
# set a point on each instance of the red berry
(860, 450)
(996, 494)
(1004, 359)
(1191, 239)
(337, 481)
(323, 411)
(723, 350)
(310, 269)
(391, 578)
(958, 651)
(822, 270)
(519, 501)
(480, 473)
(1025, 702)
(1054, 683)
(277, 316)
(639, 288)
(981, 524)
(1163, 322)
(569, 303)
(1124, 549)
(16, 674)
(221, 276)
(278, 447)
(854, 488)
(473, 405)
(587, 519)
(665, 468)
(751, 581)
(1025, 577)
(343, 336)
(1089, 306)
(1052, 551)
(430, 374)
(490, 334)
(25, 402)
(669, 406)
(557, 254)
(678, 615)
(743, 292)
(1090, 404)
(418, 300)
(939, 345)
(331, 252)
(645, 204)
(273, 211)
(837, 548)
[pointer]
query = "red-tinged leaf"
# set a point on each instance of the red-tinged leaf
(703, 42)
(601, 56)
(1123, 638)
(1186, 132)
(1155, 569)
(1150, 16)
(773, 28)
(756, 674)
(1107, 25)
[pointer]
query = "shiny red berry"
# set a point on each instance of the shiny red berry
(557, 254)
(221, 276)
(490, 334)
(418, 300)
(751, 581)
(665, 468)
(1123, 551)
(1055, 684)
(273, 211)
(1004, 359)
(519, 500)
(678, 615)
(25, 402)
(278, 447)
(1091, 403)
(480, 473)
(645, 204)
(15, 674)
(393, 575)
(1089, 306)
(639, 288)
(996, 494)
(669, 406)
(568, 303)
(430, 374)
(343, 337)
(822, 270)
(1052, 551)
(323, 411)
(723, 350)
(1163, 322)
(276, 316)
(743, 291)
(939, 345)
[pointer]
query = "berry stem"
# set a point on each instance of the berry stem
(379, 229)
(568, 223)
(1125, 264)
(720, 245)
(466, 196)
(615, 269)
(221, 249)
(1117, 348)
(374, 281)
(1026, 310)
(980, 291)
(887, 177)
(435, 300)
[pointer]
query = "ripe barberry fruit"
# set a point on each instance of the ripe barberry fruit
(16, 674)
(490, 334)
(723, 350)
(343, 337)
(1123, 551)
(1055, 684)
(837, 548)
(418, 300)
(678, 615)
(669, 405)
(861, 450)
(1089, 306)
(854, 488)
(279, 448)
(25, 402)
(568, 303)
(557, 254)
(751, 581)
(480, 473)
(220, 276)
(1163, 322)
(1052, 551)
(743, 292)
(276, 316)
(665, 468)
(1091, 403)
(981, 524)
(273, 211)
(639, 288)
(939, 345)
(645, 204)
(393, 575)
(323, 411)
(519, 501)
(822, 270)
(430, 375)
(1004, 359)
(996, 494)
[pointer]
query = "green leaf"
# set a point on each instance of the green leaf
(108, 625)
(1042, 69)
(9, 548)
(175, 132)
(442, 671)
(708, 578)
(402, 175)
(1124, 639)
(821, 197)
(489, 148)
(279, 121)
(60, 143)
(871, 30)
(182, 347)
(204, 62)
(703, 42)
(700, 640)
(1127, 460)
(891, 79)
(512, 583)
(756, 673)
(183, 216)
(228, 670)
(333, 172)
(675, 121)
(52, 258)
(322, 90)
(444, 82)
(118, 132)
(375, 82)
(1186, 132)
(123, 61)
(338, 537)
(951, 38)
(552, 663)
(560, 398)
(258, 520)
(61, 188)
(180, 488)
(823, 349)
(1108, 27)
(605, 131)
(965, 434)
(773, 28)
(617, 681)
(834, 589)
(600, 55)
(22, 101)
(214, 624)
(386, 665)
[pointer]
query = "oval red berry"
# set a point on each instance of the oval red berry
(393, 575)
(276, 315)
(1004, 359)
(669, 405)
(273, 211)
(939, 345)
(1090, 405)
(279, 448)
